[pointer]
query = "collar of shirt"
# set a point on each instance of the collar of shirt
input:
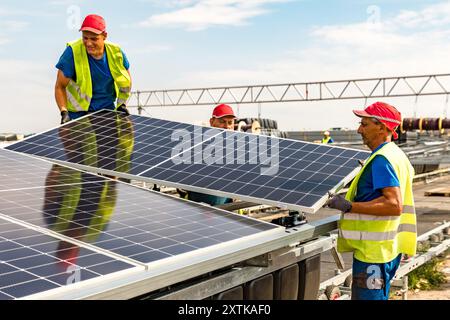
(379, 147)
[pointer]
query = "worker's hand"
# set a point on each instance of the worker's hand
(122, 108)
(339, 202)
(65, 116)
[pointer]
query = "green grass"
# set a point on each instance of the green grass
(427, 276)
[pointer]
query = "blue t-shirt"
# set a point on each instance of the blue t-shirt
(378, 174)
(103, 91)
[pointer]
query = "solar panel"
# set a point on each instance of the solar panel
(113, 225)
(269, 170)
(32, 262)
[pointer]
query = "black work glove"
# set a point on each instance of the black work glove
(65, 116)
(122, 108)
(339, 202)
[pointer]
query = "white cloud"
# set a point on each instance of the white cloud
(356, 50)
(5, 12)
(4, 40)
(352, 51)
(30, 106)
(197, 15)
(13, 25)
(63, 2)
(146, 49)
(169, 3)
(434, 15)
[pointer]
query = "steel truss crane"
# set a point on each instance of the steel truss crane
(436, 84)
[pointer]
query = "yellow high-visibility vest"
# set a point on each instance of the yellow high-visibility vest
(325, 140)
(79, 93)
(379, 239)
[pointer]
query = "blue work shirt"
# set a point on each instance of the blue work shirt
(103, 91)
(378, 174)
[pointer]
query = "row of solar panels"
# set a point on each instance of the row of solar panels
(268, 170)
(62, 229)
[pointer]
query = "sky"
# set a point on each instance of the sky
(173, 44)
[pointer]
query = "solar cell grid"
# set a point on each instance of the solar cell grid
(114, 216)
(305, 173)
(274, 171)
(70, 226)
(125, 224)
(32, 262)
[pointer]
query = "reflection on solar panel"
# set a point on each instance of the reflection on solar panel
(274, 171)
(105, 218)
(32, 262)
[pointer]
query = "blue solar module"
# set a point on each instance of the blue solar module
(32, 262)
(135, 223)
(109, 141)
(281, 172)
(19, 172)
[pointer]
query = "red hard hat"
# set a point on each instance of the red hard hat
(383, 112)
(222, 110)
(94, 23)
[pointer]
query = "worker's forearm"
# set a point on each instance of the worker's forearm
(379, 207)
(61, 98)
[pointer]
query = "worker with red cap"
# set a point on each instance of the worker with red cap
(93, 74)
(378, 221)
(222, 117)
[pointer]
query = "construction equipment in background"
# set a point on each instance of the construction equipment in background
(263, 126)
(254, 127)
(425, 124)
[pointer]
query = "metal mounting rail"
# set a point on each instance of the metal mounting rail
(241, 274)
(161, 276)
(404, 86)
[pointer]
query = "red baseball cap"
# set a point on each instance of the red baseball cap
(383, 112)
(93, 23)
(223, 110)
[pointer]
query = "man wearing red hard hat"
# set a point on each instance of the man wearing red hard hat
(93, 74)
(378, 221)
(222, 117)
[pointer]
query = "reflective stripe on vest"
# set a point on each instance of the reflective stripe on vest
(379, 239)
(79, 93)
(376, 236)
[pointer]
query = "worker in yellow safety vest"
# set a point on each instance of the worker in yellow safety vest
(378, 221)
(92, 73)
(327, 138)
